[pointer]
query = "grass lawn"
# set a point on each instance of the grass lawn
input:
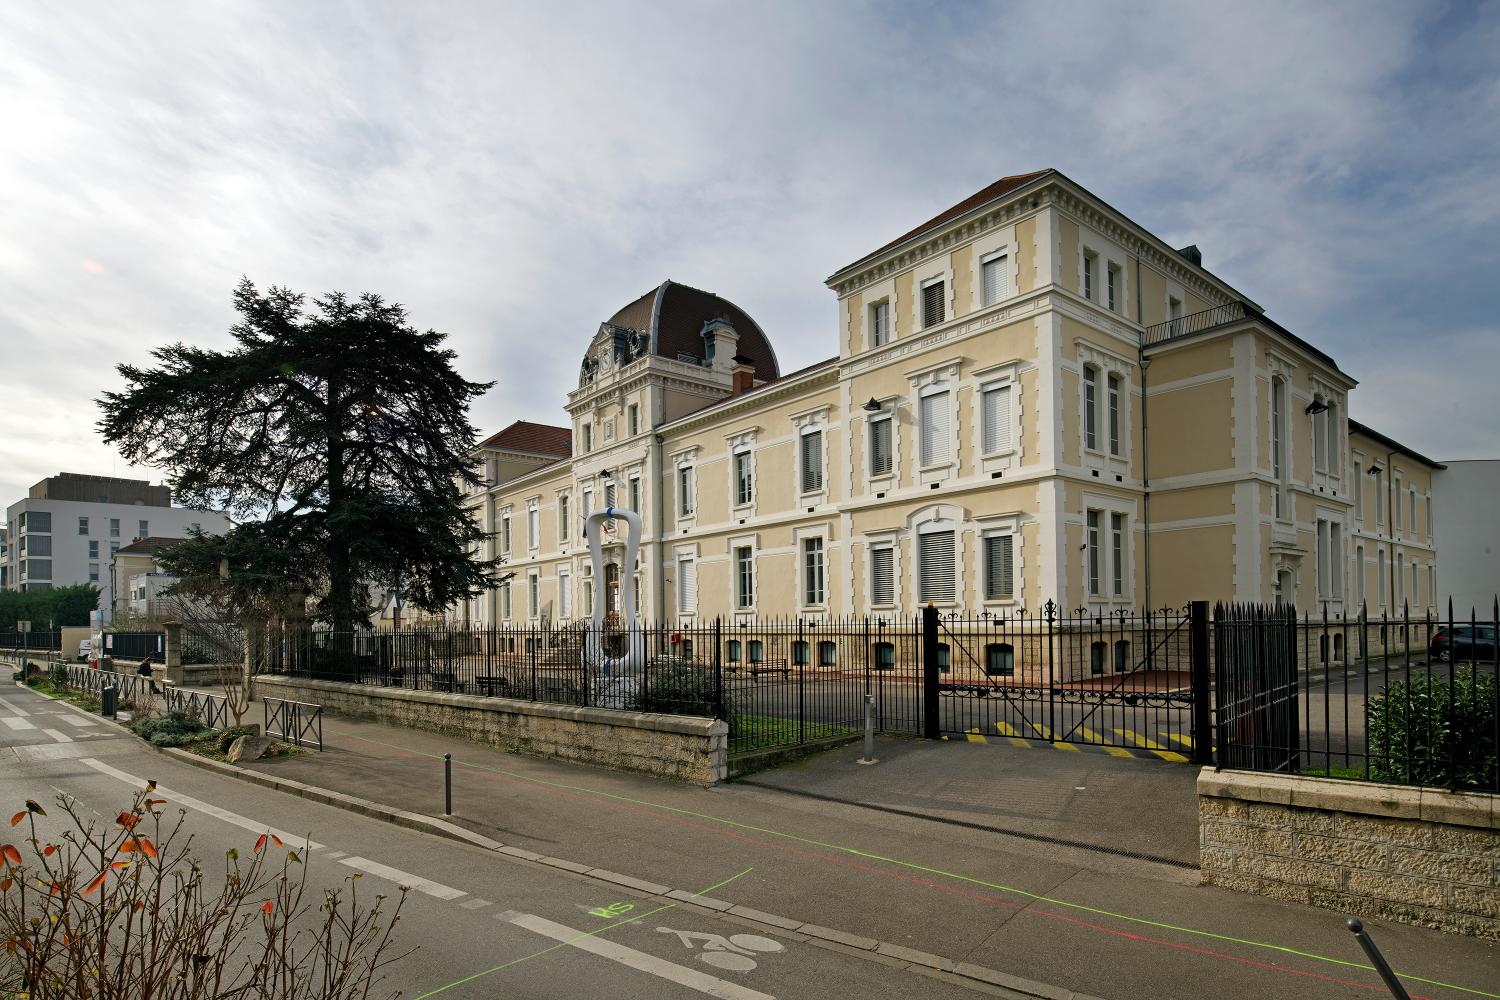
(1354, 773)
(763, 732)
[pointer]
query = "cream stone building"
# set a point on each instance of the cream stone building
(1033, 399)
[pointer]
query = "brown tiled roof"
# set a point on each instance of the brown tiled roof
(534, 439)
(1003, 186)
(146, 546)
(673, 315)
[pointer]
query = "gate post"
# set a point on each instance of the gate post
(931, 724)
(1203, 738)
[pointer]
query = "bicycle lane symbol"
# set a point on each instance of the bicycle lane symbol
(732, 953)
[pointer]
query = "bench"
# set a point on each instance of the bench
(492, 686)
(769, 667)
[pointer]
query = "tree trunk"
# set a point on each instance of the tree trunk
(340, 585)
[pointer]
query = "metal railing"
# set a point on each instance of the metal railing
(212, 710)
(294, 721)
(41, 642)
(1183, 326)
(132, 688)
(135, 646)
(1402, 699)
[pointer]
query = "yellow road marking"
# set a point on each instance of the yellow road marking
(1152, 745)
(1098, 740)
(1009, 732)
(1046, 734)
(975, 736)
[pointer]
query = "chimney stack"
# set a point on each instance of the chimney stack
(741, 376)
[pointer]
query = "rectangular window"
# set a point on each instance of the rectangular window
(744, 577)
(505, 600)
(1117, 553)
(812, 462)
(687, 585)
(933, 303)
(533, 595)
(995, 279)
(883, 575)
(533, 530)
(114, 547)
(1090, 407)
(1091, 544)
(505, 534)
(588, 505)
(999, 567)
(143, 529)
(1431, 585)
(1359, 573)
(562, 517)
(1396, 507)
(93, 549)
(1380, 575)
(1320, 440)
(1359, 493)
(881, 457)
(83, 526)
(937, 573)
(933, 413)
(633, 419)
(1427, 501)
(880, 324)
(635, 494)
(744, 483)
(93, 572)
(114, 527)
(812, 571)
(588, 438)
(609, 495)
(1335, 452)
(685, 491)
(1090, 264)
(995, 418)
(1112, 287)
(1113, 383)
(1411, 519)
(1174, 316)
(564, 596)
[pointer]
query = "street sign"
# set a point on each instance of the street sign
(23, 626)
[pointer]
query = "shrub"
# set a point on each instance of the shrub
(170, 730)
(57, 676)
(1426, 731)
(228, 736)
(680, 687)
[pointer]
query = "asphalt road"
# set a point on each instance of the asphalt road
(482, 925)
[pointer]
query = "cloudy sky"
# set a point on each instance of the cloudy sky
(515, 172)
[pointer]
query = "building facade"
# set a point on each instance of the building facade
(1034, 399)
(1465, 499)
(68, 530)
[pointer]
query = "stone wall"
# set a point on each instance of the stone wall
(686, 748)
(1418, 855)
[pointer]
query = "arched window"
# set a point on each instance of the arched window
(828, 653)
(1122, 655)
(757, 651)
(944, 657)
(999, 660)
(734, 651)
(799, 653)
(1096, 656)
(885, 656)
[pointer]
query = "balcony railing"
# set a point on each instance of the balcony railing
(1183, 326)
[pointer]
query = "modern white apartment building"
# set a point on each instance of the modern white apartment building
(70, 526)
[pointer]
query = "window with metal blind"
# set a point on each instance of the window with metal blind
(1091, 545)
(744, 484)
(994, 279)
(1113, 402)
(881, 457)
(933, 303)
(687, 585)
(933, 413)
(937, 572)
(1090, 406)
(1117, 552)
(609, 495)
(812, 462)
(999, 567)
(880, 324)
(505, 534)
(564, 596)
(882, 576)
(812, 571)
(995, 404)
(744, 577)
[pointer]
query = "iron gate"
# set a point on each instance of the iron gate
(1255, 662)
(1120, 680)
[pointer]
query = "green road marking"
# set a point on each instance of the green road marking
(913, 866)
(561, 944)
(611, 911)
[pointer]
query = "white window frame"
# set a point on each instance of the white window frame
(1001, 258)
(687, 597)
(684, 465)
(737, 594)
(1002, 527)
(888, 418)
(588, 437)
(1114, 286)
(634, 494)
(564, 577)
(741, 445)
(506, 536)
(1088, 400)
(800, 538)
(942, 377)
(873, 311)
(1088, 275)
(1105, 364)
(928, 462)
(804, 423)
(1108, 505)
(633, 418)
(883, 543)
(533, 525)
(939, 527)
(564, 516)
(533, 595)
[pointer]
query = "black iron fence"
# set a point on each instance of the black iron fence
(136, 646)
(212, 710)
(40, 641)
(132, 689)
(294, 721)
(1406, 699)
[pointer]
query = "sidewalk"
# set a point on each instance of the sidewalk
(1071, 869)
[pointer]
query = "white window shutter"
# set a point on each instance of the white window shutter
(938, 572)
(882, 576)
(996, 279)
(687, 586)
(935, 433)
(996, 418)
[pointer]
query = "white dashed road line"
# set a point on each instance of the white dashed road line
(639, 960)
(16, 724)
(78, 720)
(59, 737)
(403, 878)
(189, 802)
(13, 707)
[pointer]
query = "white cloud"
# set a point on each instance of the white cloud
(514, 174)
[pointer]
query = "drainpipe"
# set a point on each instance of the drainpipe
(1390, 523)
(1145, 362)
(660, 498)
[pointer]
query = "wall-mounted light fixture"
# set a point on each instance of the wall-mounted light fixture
(1316, 406)
(873, 406)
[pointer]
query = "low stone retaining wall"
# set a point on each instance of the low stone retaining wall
(1418, 855)
(686, 748)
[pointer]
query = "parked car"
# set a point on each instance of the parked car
(85, 650)
(1466, 642)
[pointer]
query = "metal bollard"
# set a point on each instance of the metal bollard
(1357, 927)
(447, 784)
(869, 757)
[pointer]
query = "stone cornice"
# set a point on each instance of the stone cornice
(774, 392)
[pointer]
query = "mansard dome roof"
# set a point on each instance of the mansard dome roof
(673, 315)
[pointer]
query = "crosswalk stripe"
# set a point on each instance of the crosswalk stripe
(17, 724)
(1152, 745)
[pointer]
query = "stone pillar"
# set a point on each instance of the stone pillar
(172, 659)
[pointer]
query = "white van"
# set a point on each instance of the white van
(85, 648)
